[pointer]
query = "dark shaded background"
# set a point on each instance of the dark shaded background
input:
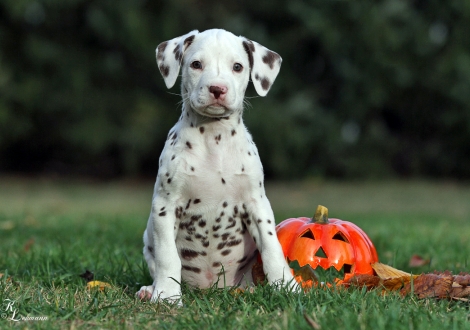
(368, 89)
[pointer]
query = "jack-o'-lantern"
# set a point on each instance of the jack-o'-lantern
(324, 242)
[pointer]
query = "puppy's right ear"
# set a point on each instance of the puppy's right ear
(169, 55)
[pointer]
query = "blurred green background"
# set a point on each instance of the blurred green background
(367, 89)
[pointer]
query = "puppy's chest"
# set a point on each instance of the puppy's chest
(214, 161)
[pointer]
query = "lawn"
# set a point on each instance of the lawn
(52, 231)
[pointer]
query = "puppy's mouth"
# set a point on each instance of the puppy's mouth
(215, 110)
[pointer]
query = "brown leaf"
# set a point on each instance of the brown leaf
(397, 283)
(430, 285)
(463, 279)
(418, 261)
(369, 281)
(257, 273)
(459, 291)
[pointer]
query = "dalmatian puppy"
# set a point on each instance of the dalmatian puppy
(210, 215)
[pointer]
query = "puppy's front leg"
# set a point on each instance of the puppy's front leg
(167, 274)
(261, 227)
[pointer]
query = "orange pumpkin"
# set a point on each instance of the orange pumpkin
(327, 243)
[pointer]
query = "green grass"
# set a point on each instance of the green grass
(50, 232)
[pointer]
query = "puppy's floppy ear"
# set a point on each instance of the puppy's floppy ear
(169, 55)
(264, 64)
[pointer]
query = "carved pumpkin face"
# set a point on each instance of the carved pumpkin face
(327, 243)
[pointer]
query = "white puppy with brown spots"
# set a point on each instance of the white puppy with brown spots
(210, 214)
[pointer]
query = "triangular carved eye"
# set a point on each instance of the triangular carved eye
(320, 253)
(340, 237)
(308, 234)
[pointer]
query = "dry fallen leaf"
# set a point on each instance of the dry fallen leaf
(385, 271)
(430, 285)
(257, 273)
(418, 261)
(98, 285)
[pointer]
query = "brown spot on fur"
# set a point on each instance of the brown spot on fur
(225, 252)
(270, 58)
(201, 129)
(178, 53)
(188, 41)
(161, 49)
(191, 269)
(164, 70)
(188, 144)
(216, 264)
(249, 49)
(188, 254)
(162, 214)
(178, 212)
(225, 204)
(234, 242)
(265, 84)
(197, 200)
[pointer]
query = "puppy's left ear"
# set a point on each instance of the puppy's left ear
(169, 55)
(264, 64)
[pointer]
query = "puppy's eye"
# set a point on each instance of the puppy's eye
(196, 65)
(237, 67)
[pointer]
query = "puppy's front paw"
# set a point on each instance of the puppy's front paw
(145, 293)
(170, 296)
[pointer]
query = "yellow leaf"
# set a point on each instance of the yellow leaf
(98, 285)
(388, 272)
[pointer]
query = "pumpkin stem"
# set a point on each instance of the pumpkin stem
(321, 215)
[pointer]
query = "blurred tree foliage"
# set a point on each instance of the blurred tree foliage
(367, 88)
